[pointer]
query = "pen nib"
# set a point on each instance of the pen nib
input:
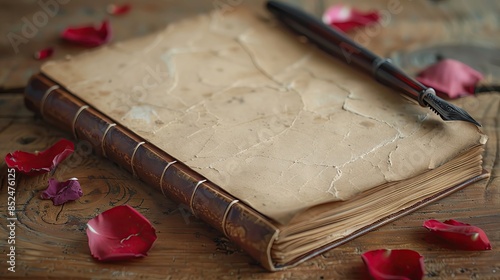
(448, 111)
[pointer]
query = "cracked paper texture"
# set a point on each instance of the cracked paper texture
(271, 120)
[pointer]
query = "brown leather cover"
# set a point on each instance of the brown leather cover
(244, 226)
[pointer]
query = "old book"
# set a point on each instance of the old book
(284, 150)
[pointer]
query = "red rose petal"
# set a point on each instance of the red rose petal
(62, 192)
(89, 36)
(461, 235)
(120, 233)
(346, 18)
(451, 78)
(43, 54)
(118, 9)
(40, 162)
(394, 264)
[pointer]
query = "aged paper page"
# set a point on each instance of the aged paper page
(270, 119)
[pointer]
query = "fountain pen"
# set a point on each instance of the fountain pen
(337, 44)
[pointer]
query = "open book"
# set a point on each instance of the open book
(285, 150)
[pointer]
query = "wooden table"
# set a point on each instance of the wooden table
(51, 240)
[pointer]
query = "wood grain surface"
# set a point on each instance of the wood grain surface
(51, 240)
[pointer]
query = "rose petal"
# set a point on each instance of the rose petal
(40, 162)
(62, 192)
(120, 233)
(461, 235)
(89, 36)
(394, 264)
(44, 53)
(450, 78)
(346, 18)
(118, 9)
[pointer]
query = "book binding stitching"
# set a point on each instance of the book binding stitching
(103, 151)
(132, 158)
(76, 118)
(192, 197)
(44, 99)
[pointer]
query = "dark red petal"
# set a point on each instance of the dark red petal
(460, 235)
(40, 162)
(394, 264)
(120, 233)
(450, 78)
(118, 9)
(346, 18)
(62, 192)
(89, 36)
(44, 53)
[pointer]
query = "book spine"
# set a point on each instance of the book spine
(250, 230)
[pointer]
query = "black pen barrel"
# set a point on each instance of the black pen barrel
(338, 44)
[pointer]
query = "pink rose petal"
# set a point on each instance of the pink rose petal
(118, 9)
(44, 53)
(394, 264)
(346, 18)
(40, 162)
(88, 36)
(451, 78)
(120, 233)
(62, 192)
(460, 235)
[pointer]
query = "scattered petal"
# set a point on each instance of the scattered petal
(115, 10)
(346, 18)
(461, 235)
(120, 233)
(44, 53)
(62, 192)
(394, 264)
(89, 36)
(40, 162)
(450, 78)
